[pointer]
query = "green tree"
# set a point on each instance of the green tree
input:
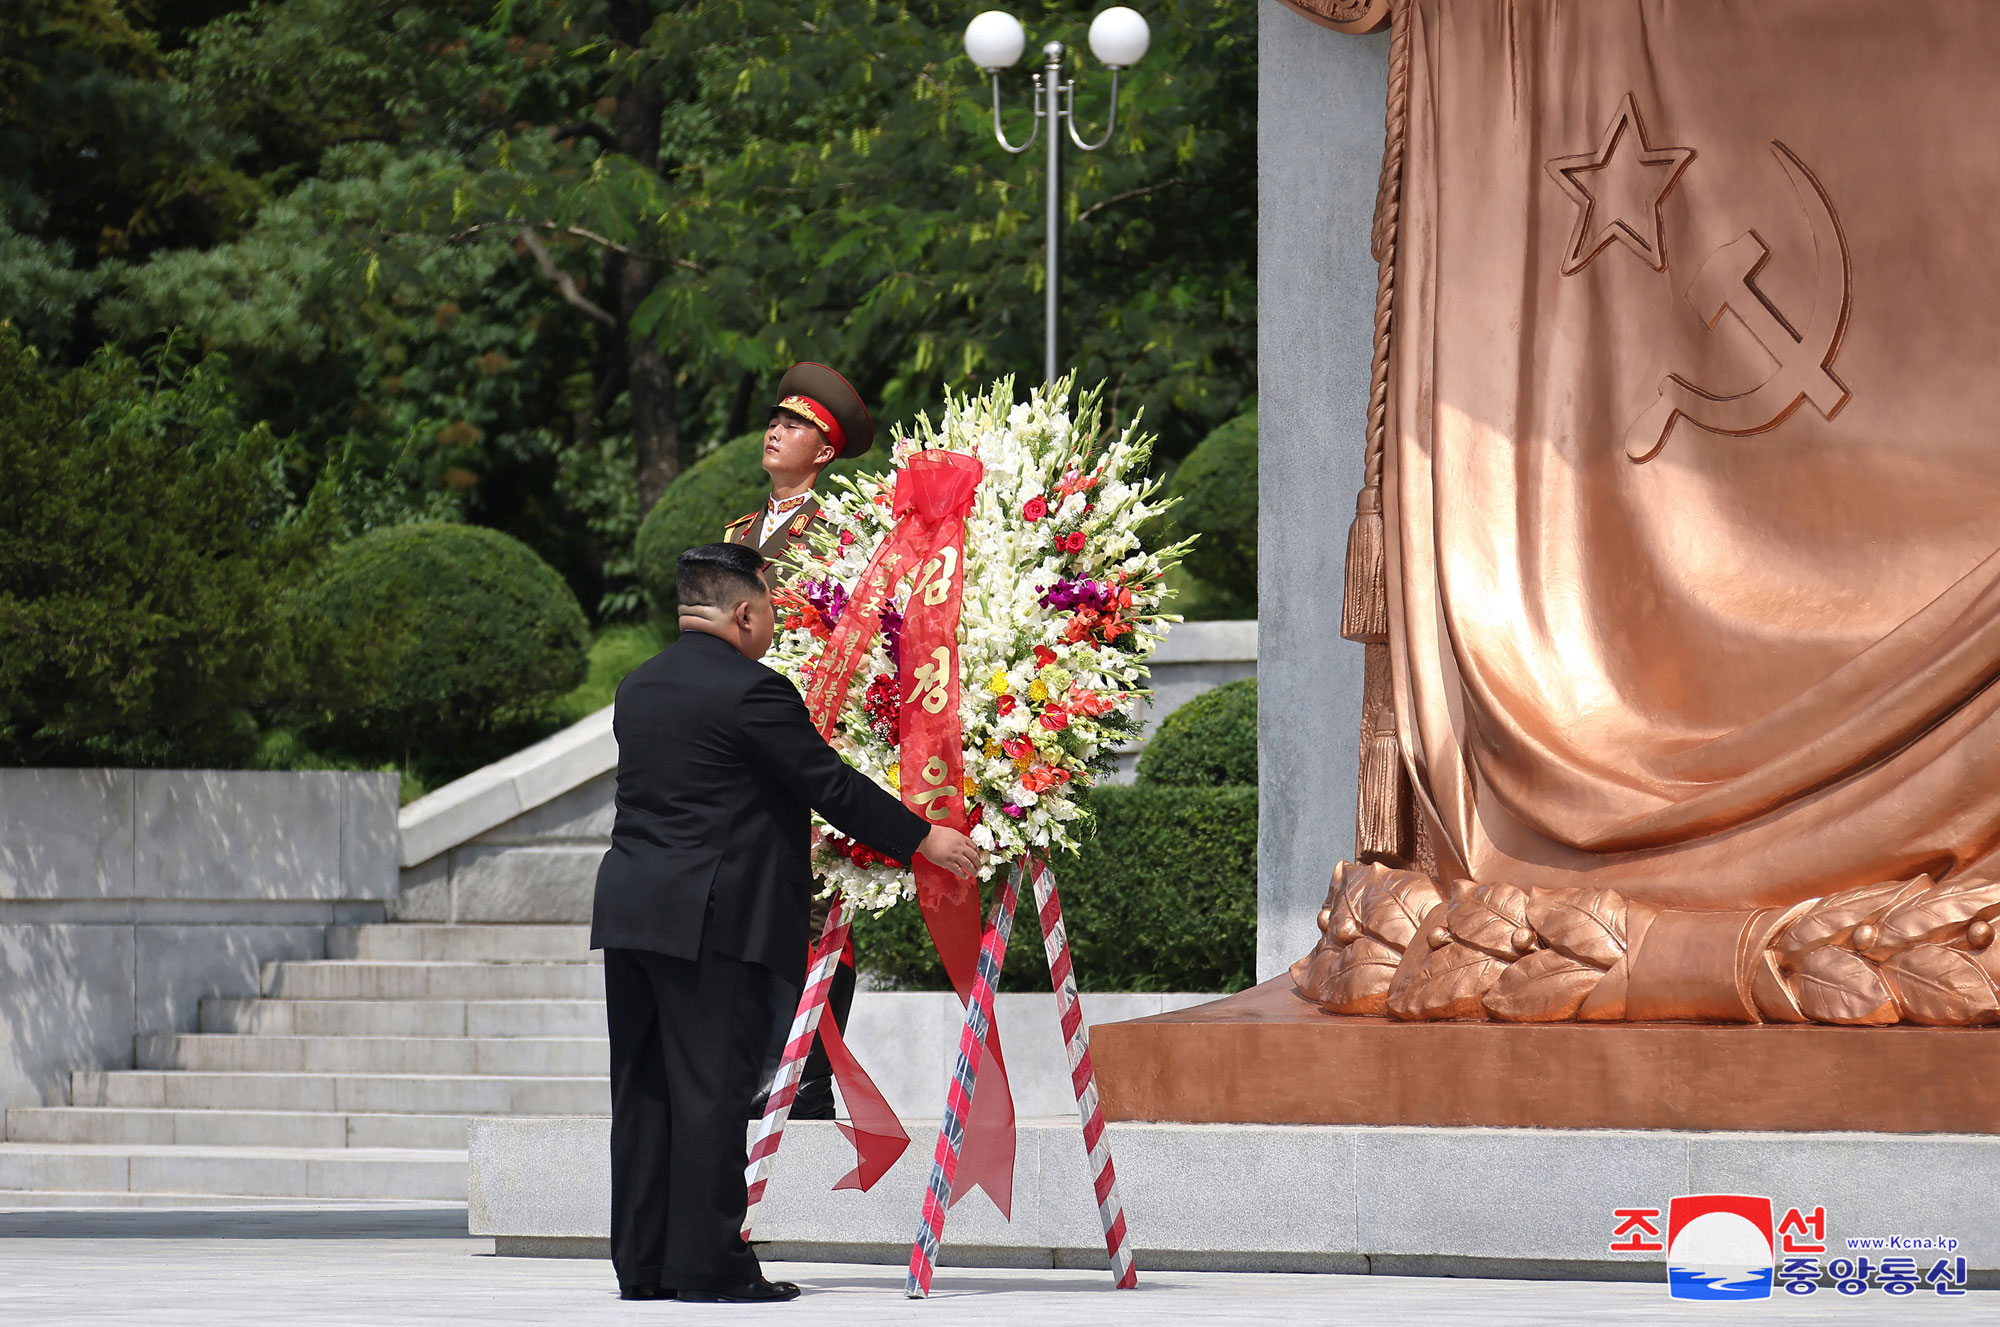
(146, 542)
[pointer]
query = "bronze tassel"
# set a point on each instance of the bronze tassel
(1364, 612)
(1382, 795)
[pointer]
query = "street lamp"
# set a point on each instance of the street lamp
(994, 40)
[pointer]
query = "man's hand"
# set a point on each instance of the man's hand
(952, 850)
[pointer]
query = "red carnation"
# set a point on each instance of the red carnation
(1037, 508)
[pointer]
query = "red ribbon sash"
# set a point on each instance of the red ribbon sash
(934, 494)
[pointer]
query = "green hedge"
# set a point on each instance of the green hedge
(1217, 489)
(708, 495)
(453, 632)
(1162, 898)
(1211, 741)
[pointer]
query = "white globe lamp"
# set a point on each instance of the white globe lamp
(995, 40)
(1118, 37)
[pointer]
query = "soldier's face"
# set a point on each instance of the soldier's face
(793, 447)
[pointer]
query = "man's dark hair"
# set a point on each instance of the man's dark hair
(718, 576)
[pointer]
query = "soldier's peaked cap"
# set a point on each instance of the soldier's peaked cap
(817, 393)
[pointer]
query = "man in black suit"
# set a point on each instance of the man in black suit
(701, 913)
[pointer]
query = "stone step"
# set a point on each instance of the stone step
(314, 979)
(374, 1094)
(14, 1200)
(272, 1128)
(516, 1056)
(302, 1172)
(461, 943)
(405, 1018)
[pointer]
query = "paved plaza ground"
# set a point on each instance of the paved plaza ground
(169, 1269)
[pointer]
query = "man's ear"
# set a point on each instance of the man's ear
(826, 457)
(740, 615)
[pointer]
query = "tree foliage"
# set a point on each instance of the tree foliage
(521, 263)
(146, 541)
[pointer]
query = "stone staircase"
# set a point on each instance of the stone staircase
(351, 1078)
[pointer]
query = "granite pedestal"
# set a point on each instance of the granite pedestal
(1404, 1201)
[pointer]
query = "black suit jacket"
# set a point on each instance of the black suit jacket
(719, 769)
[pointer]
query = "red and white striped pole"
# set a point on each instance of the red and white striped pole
(958, 1098)
(1055, 940)
(824, 963)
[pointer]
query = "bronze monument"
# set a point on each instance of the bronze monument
(1675, 559)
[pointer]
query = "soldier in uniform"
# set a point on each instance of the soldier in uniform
(818, 418)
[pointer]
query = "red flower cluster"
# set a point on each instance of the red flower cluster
(860, 854)
(1036, 508)
(1090, 703)
(1043, 777)
(1072, 542)
(884, 710)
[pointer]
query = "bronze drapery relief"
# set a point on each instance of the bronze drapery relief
(1675, 557)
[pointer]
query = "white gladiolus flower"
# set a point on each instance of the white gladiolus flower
(1028, 449)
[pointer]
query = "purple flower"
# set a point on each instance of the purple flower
(1013, 810)
(1070, 594)
(829, 597)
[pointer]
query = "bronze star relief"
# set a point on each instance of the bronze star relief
(1618, 190)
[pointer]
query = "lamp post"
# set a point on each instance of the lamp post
(994, 40)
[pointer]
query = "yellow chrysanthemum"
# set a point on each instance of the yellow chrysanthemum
(896, 775)
(1039, 691)
(997, 683)
(992, 749)
(970, 786)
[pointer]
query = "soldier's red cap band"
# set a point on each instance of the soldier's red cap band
(819, 415)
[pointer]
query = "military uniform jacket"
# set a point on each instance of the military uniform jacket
(784, 552)
(719, 770)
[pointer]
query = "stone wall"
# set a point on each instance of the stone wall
(1319, 149)
(128, 895)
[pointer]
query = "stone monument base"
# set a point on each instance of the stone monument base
(1513, 1203)
(1267, 1056)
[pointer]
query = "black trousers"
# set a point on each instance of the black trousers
(687, 1040)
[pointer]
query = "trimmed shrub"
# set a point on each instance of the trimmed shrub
(146, 538)
(707, 496)
(1209, 742)
(1162, 898)
(1217, 488)
(447, 633)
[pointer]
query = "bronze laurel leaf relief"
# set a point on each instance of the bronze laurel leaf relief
(1399, 943)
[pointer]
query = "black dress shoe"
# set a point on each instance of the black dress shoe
(645, 1292)
(757, 1292)
(814, 1101)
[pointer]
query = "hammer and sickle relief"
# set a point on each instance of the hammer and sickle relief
(1726, 283)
